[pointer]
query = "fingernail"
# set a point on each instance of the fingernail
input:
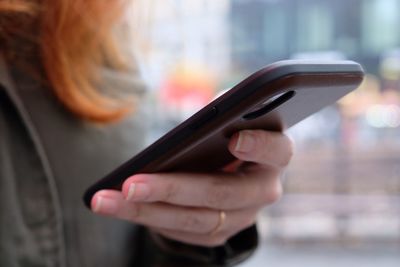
(105, 205)
(138, 191)
(245, 143)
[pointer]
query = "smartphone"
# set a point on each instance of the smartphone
(274, 98)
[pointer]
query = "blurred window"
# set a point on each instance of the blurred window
(315, 27)
(275, 35)
(381, 21)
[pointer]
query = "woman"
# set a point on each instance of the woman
(62, 127)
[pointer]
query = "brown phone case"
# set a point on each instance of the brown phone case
(273, 98)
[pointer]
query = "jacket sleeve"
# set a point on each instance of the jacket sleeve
(162, 252)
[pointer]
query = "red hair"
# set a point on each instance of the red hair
(75, 38)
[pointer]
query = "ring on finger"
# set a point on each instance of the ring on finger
(221, 221)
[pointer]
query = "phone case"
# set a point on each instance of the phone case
(273, 98)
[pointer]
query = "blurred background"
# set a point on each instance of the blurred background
(342, 191)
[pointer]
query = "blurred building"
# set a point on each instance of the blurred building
(268, 30)
(264, 31)
(343, 184)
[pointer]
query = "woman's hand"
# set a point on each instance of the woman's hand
(205, 209)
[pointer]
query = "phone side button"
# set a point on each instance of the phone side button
(204, 118)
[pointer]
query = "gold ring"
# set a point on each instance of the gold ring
(221, 220)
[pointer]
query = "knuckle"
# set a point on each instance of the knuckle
(273, 193)
(218, 195)
(264, 138)
(189, 222)
(278, 142)
(171, 191)
(134, 212)
(289, 151)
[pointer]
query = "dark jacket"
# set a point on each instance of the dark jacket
(48, 158)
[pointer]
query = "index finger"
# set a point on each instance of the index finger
(218, 191)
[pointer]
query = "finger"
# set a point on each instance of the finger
(195, 239)
(233, 166)
(98, 200)
(214, 238)
(220, 192)
(169, 217)
(207, 240)
(263, 147)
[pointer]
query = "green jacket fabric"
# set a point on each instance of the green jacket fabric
(48, 158)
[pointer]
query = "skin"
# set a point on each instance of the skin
(186, 206)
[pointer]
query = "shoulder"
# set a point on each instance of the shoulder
(64, 136)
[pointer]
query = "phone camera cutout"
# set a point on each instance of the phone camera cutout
(269, 105)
